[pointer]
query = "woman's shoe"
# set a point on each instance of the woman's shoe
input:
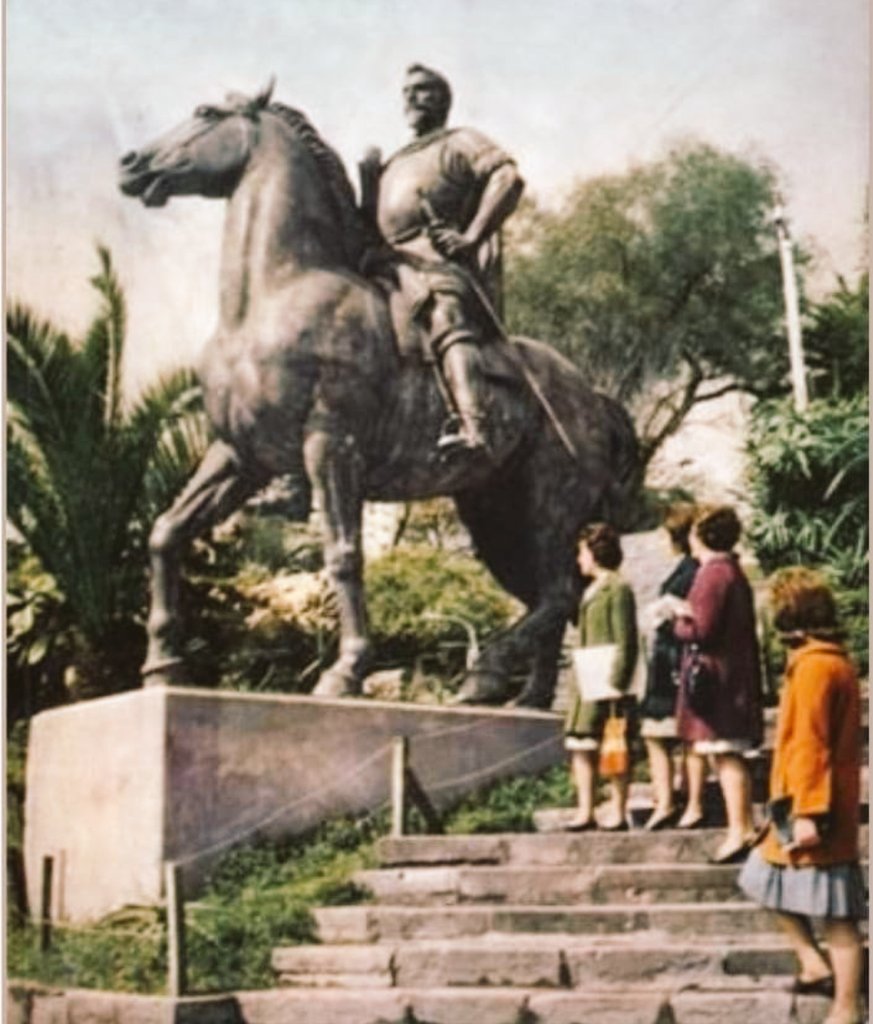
(820, 987)
(694, 823)
(733, 855)
(660, 821)
(581, 826)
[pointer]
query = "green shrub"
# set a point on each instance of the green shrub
(809, 489)
(272, 627)
(424, 601)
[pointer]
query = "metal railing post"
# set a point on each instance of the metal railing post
(399, 757)
(45, 904)
(177, 964)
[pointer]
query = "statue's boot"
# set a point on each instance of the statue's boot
(467, 430)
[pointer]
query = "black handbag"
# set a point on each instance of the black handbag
(701, 682)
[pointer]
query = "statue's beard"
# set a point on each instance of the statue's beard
(425, 119)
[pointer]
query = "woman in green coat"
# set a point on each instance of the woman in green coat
(607, 616)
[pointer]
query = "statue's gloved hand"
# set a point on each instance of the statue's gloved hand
(450, 243)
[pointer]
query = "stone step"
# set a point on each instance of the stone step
(749, 1003)
(542, 961)
(387, 923)
(606, 883)
(556, 849)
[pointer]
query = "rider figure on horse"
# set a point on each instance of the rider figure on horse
(438, 204)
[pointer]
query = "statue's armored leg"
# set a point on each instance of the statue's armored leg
(454, 346)
(459, 358)
(335, 468)
(217, 489)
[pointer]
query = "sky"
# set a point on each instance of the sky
(572, 88)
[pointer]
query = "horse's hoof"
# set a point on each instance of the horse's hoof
(482, 688)
(169, 672)
(534, 697)
(336, 684)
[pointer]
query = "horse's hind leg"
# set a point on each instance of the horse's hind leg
(335, 469)
(217, 489)
(535, 639)
(532, 554)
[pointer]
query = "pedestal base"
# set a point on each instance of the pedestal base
(118, 786)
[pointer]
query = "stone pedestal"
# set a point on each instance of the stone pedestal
(118, 786)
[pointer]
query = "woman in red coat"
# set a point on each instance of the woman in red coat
(717, 624)
(809, 866)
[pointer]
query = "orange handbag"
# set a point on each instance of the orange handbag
(614, 753)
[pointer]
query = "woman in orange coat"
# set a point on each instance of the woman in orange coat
(809, 866)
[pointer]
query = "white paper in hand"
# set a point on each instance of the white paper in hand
(593, 669)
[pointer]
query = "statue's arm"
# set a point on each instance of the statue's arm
(500, 197)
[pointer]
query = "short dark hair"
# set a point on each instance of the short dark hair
(604, 544)
(678, 520)
(803, 603)
(436, 78)
(718, 527)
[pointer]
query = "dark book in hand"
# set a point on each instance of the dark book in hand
(782, 819)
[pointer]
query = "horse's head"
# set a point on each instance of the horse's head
(205, 155)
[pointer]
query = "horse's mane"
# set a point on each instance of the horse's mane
(339, 187)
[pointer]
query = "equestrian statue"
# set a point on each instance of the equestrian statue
(360, 352)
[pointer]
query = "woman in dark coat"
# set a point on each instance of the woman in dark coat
(719, 619)
(658, 707)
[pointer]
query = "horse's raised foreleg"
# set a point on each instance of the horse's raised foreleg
(335, 469)
(217, 489)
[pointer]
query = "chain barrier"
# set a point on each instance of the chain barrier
(253, 829)
(511, 759)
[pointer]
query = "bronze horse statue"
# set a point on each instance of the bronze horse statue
(305, 377)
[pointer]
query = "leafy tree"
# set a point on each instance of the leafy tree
(836, 342)
(87, 474)
(662, 284)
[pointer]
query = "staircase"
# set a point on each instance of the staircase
(593, 928)
(548, 928)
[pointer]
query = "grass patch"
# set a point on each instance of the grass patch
(257, 898)
(509, 806)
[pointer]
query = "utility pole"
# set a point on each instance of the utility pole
(792, 311)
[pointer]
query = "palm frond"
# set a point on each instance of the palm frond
(103, 349)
